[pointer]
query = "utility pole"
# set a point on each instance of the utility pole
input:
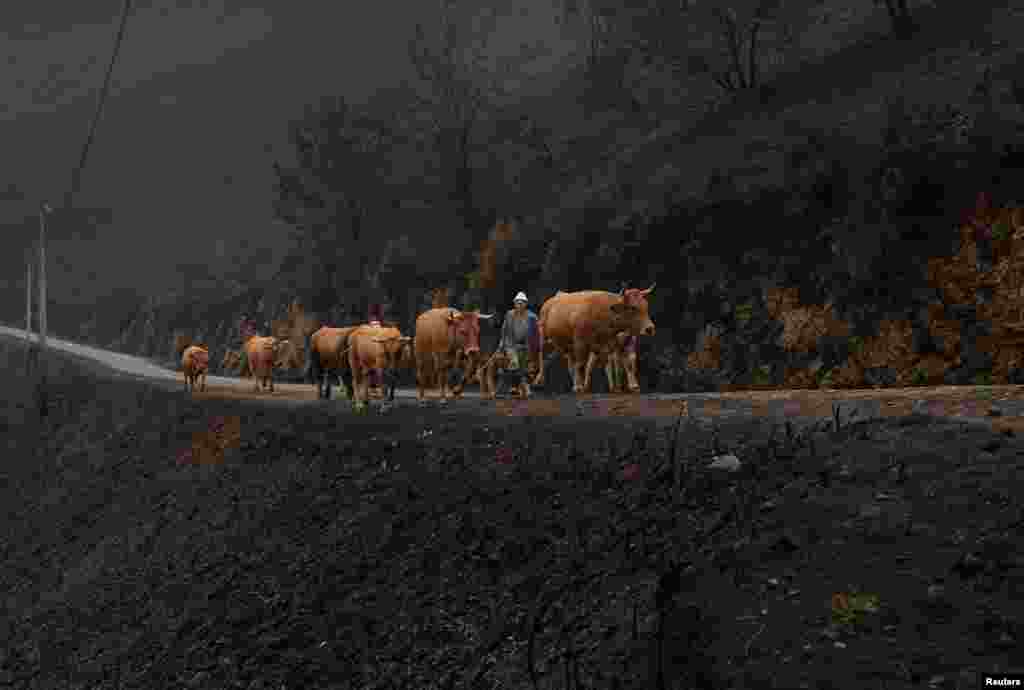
(44, 210)
(28, 301)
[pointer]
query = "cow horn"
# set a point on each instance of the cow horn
(486, 316)
(648, 290)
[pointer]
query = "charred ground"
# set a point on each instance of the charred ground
(434, 548)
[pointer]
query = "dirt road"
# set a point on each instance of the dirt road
(992, 406)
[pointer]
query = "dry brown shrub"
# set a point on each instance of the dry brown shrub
(280, 328)
(780, 300)
(708, 357)
(849, 374)
(933, 366)
(799, 378)
(804, 326)
(800, 332)
(958, 280)
(502, 233)
(439, 298)
(1003, 361)
(301, 324)
(947, 330)
(892, 347)
(181, 341)
(208, 447)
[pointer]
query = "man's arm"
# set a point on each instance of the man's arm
(504, 331)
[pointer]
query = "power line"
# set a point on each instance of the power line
(76, 175)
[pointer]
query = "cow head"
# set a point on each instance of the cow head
(467, 329)
(466, 326)
(632, 313)
(232, 360)
(397, 350)
(286, 355)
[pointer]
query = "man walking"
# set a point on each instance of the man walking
(520, 337)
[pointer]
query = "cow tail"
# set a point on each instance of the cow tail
(312, 372)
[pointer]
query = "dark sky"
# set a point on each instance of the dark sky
(200, 103)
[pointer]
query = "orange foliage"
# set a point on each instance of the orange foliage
(709, 356)
(502, 233)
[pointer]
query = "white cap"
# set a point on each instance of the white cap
(521, 297)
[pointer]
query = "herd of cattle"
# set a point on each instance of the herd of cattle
(588, 328)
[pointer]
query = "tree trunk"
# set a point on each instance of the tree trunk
(899, 14)
(356, 219)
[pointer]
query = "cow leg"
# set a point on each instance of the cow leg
(609, 372)
(591, 361)
(487, 383)
(421, 374)
(539, 379)
(204, 382)
(357, 387)
(570, 364)
(466, 367)
(524, 385)
(436, 381)
(630, 366)
(618, 363)
(441, 367)
(580, 358)
(361, 385)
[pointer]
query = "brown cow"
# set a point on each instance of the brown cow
(381, 348)
(261, 352)
(622, 356)
(444, 337)
(195, 363)
(327, 357)
(577, 324)
(233, 360)
(290, 354)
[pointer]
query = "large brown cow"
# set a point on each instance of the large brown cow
(327, 358)
(444, 337)
(578, 324)
(376, 348)
(195, 363)
(261, 352)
